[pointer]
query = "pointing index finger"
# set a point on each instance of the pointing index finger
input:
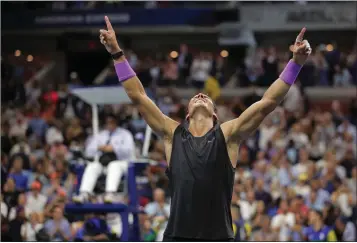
(300, 37)
(109, 25)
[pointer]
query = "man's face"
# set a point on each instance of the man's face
(111, 123)
(159, 195)
(201, 101)
(313, 217)
(57, 213)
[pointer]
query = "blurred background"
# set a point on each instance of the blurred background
(295, 178)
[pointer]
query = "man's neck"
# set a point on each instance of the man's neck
(200, 124)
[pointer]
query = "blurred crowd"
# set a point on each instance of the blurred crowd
(327, 66)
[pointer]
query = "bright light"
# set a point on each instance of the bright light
(224, 53)
(29, 58)
(173, 54)
(17, 53)
(329, 47)
(291, 48)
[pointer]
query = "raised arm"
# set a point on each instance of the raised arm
(240, 128)
(160, 123)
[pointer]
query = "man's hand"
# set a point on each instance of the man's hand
(108, 38)
(301, 49)
(106, 148)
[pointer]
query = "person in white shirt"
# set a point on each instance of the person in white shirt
(200, 69)
(35, 202)
(31, 228)
(303, 165)
(283, 221)
(111, 140)
(248, 207)
(159, 212)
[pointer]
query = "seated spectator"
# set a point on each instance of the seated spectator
(261, 193)
(37, 125)
(149, 233)
(30, 229)
(200, 69)
(343, 199)
(317, 230)
(248, 207)
(18, 175)
(259, 215)
(265, 233)
(297, 230)
(342, 77)
(115, 148)
(74, 130)
(158, 212)
(184, 62)
(345, 230)
(241, 229)
(36, 201)
(170, 73)
(303, 165)
(15, 225)
(58, 227)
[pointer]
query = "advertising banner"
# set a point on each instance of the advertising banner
(294, 16)
(130, 17)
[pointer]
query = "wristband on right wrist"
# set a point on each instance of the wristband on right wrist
(124, 71)
(290, 72)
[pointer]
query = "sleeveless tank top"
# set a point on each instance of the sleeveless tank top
(201, 184)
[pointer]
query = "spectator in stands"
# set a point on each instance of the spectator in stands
(184, 62)
(36, 201)
(58, 227)
(270, 66)
(18, 175)
(38, 125)
(321, 66)
(16, 224)
(265, 233)
(248, 207)
(283, 221)
(30, 229)
(317, 230)
(158, 212)
(342, 77)
(343, 199)
(345, 230)
(170, 73)
(200, 70)
(114, 147)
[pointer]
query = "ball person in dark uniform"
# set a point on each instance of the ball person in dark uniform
(201, 152)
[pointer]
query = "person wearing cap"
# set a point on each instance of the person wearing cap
(345, 229)
(36, 201)
(302, 188)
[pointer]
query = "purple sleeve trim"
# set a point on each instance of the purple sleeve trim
(290, 72)
(124, 71)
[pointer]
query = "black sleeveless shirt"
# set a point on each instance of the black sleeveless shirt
(201, 185)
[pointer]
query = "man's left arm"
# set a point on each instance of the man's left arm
(241, 127)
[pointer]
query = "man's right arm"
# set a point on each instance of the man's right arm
(159, 123)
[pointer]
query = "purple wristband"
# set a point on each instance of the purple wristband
(290, 72)
(124, 71)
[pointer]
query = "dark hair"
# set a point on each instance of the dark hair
(111, 116)
(215, 121)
